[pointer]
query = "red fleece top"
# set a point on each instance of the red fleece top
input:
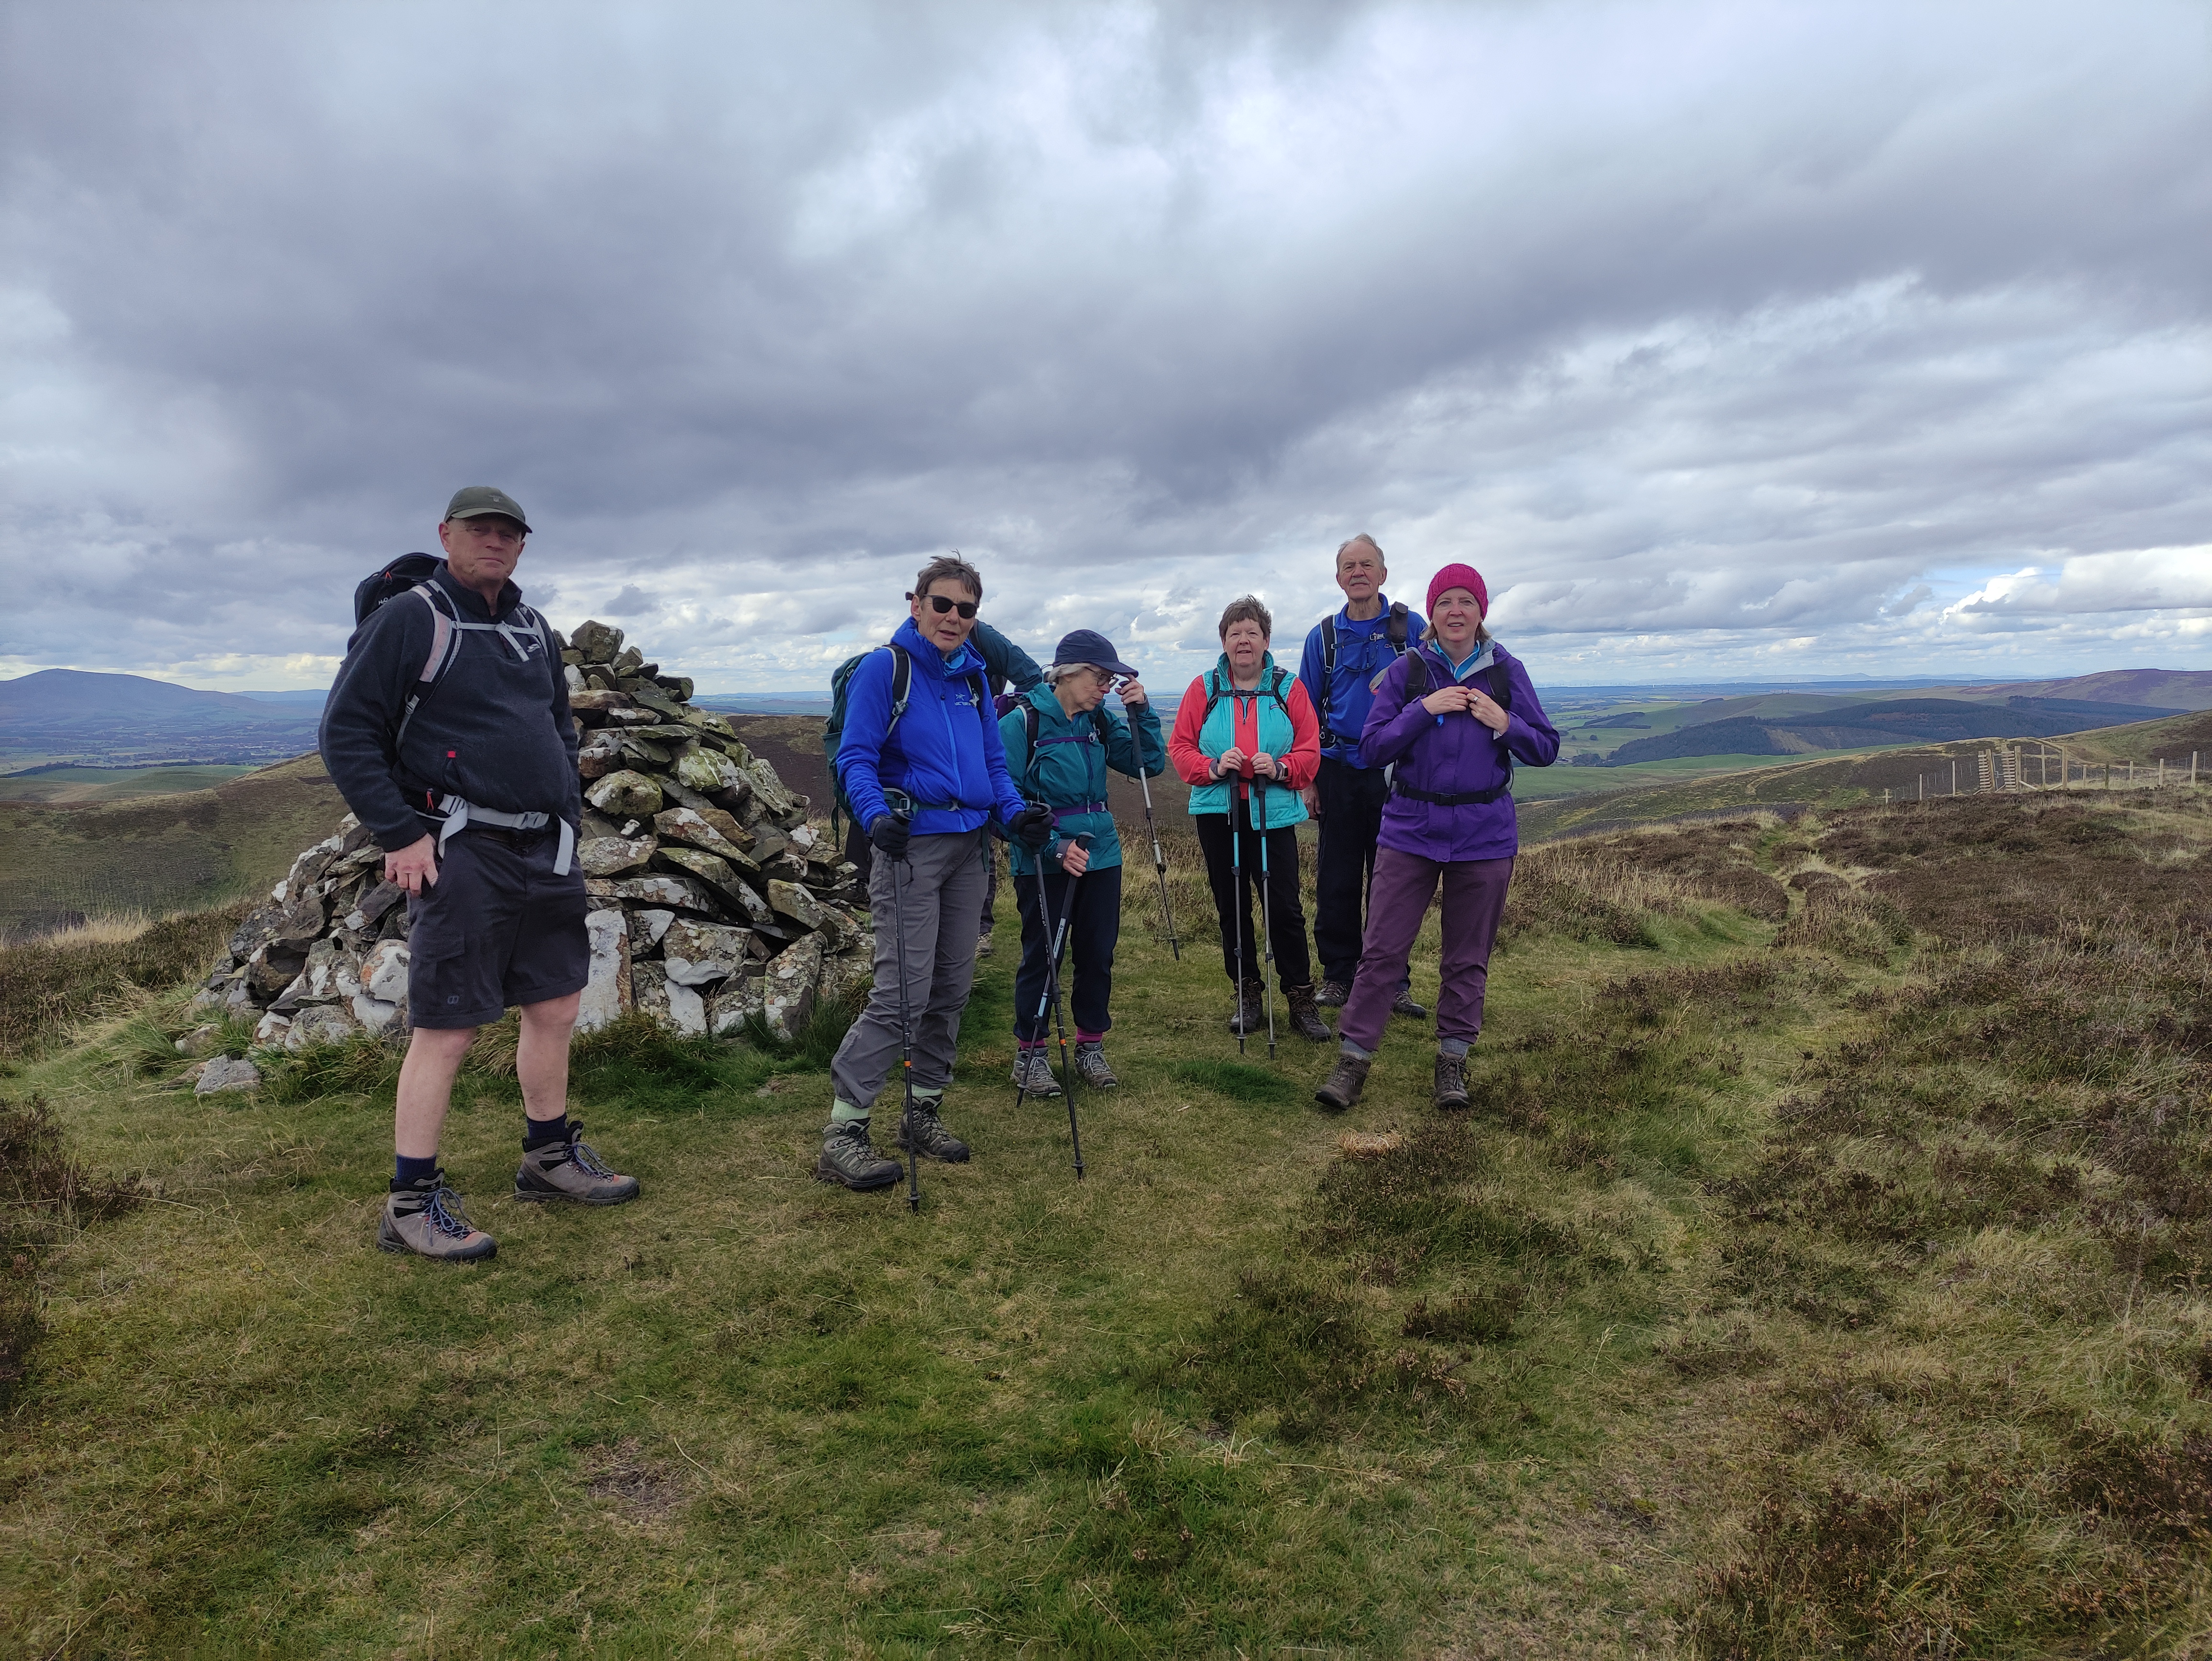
(1195, 766)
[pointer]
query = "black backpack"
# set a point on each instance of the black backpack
(411, 574)
(1394, 631)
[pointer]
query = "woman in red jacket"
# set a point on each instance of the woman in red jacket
(1246, 741)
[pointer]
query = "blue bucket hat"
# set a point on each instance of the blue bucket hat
(1089, 646)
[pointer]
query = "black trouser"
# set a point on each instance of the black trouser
(1352, 800)
(1092, 932)
(1286, 917)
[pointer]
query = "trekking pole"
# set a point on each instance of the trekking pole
(1236, 878)
(1266, 912)
(1159, 864)
(1049, 994)
(1059, 1022)
(906, 1047)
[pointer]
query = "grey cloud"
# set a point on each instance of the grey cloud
(1679, 320)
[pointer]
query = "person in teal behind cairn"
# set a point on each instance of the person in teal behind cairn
(1059, 744)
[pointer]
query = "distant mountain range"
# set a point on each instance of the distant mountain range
(130, 721)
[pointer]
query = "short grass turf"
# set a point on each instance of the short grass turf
(1817, 1274)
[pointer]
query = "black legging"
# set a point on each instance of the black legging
(1286, 917)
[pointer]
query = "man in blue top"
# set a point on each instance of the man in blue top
(1344, 660)
(925, 781)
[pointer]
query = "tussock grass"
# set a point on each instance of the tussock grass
(1817, 1273)
(47, 986)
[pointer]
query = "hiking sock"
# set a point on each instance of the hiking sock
(412, 1173)
(843, 1112)
(537, 1132)
(1457, 1047)
(1356, 1052)
(928, 1095)
(1081, 1037)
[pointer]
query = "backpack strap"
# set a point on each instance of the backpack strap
(445, 642)
(1328, 653)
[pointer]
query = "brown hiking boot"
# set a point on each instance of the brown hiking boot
(924, 1133)
(1248, 1018)
(1344, 1083)
(570, 1171)
(428, 1221)
(1090, 1066)
(848, 1156)
(1403, 1004)
(1305, 1019)
(1451, 1083)
(1333, 994)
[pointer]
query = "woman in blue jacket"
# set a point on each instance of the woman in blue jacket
(1059, 744)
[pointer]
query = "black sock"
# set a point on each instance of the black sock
(537, 1132)
(412, 1173)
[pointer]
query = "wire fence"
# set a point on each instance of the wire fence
(2043, 767)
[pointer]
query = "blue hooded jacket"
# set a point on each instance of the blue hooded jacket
(944, 758)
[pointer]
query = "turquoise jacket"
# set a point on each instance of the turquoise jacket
(1283, 725)
(1067, 774)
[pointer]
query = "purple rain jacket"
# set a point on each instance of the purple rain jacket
(1452, 755)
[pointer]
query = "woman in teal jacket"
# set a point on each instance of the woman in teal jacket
(1059, 744)
(1246, 741)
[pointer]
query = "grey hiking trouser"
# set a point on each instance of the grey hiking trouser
(940, 881)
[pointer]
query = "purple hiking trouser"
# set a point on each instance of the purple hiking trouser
(1474, 900)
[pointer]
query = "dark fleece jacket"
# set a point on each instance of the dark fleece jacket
(494, 728)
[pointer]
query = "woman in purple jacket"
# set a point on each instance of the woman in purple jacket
(1454, 714)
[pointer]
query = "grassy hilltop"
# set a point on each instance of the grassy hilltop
(1819, 1273)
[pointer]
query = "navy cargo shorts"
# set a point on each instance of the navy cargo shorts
(497, 928)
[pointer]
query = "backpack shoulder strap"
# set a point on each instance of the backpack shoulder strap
(1397, 629)
(1501, 685)
(1276, 681)
(1417, 677)
(1328, 649)
(445, 642)
(901, 684)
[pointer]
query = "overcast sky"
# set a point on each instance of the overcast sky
(1727, 340)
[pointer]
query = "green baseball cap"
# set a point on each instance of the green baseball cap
(474, 500)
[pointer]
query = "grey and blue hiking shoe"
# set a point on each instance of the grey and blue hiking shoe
(1033, 1073)
(849, 1158)
(570, 1171)
(1091, 1066)
(1451, 1083)
(428, 1221)
(924, 1133)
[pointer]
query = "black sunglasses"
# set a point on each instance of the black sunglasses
(942, 603)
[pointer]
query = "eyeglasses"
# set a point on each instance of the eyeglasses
(942, 603)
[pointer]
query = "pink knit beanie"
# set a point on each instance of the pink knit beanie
(1459, 576)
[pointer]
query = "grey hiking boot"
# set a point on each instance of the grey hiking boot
(570, 1171)
(1248, 1018)
(1451, 1083)
(1033, 1073)
(1091, 1066)
(428, 1221)
(1403, 1004)
(924, 1133)
(1344, 1083)
(1332, 994)
(982, 945)
(848, 1156)
(1306, 1018)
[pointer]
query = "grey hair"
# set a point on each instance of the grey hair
(1247, 608)
(949, 565)
(1055, 673)
(1363, 540)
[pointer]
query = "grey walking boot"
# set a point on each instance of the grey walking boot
(1344, 1083)
(1403, 1004)
(1250, 1017)
(1451, 1083)
(924, 1133)
(849, 1157)
(1333, 994)
(1033, 1073)
(428, 1221)
(1091, 1066)
(570, 1171)
(1306, 1018)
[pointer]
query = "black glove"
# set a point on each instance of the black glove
(890, 833)
(1031, 827)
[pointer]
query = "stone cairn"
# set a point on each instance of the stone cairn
(711, 899)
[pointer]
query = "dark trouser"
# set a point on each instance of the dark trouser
(1286, 916)
(1351, 800)
(1474, 900)
(1092, 932)
(858, 849)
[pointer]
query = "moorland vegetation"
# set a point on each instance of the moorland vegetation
(1820, 1272)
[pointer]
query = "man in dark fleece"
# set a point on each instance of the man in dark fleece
(449, 735)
